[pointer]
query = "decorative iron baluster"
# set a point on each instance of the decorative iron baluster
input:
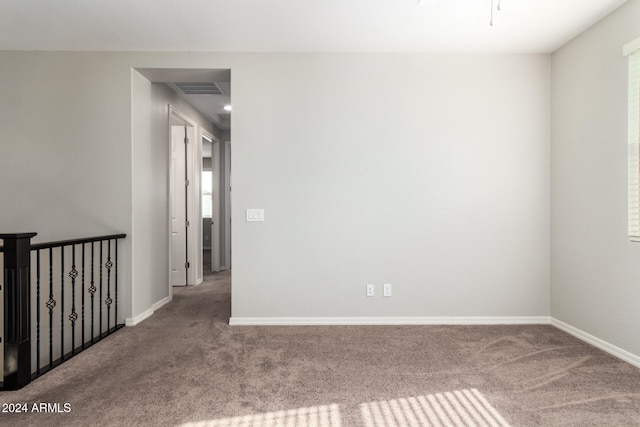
(38, 312)
(116, 281)
(31, 342)
(92, 290)
(100, 291)
(51, 303)
(82, 281)
(108, 301)
(62, 303)
(73, 316)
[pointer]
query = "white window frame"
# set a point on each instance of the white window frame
(632, 51)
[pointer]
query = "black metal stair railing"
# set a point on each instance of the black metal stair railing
(59, 299)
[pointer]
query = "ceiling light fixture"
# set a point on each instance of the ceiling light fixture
(433, 2)
(497, 8)
(227, 107)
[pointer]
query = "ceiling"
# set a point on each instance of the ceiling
(452, 26)
(211, 106)
(398, 26)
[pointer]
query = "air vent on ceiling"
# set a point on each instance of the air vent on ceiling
(206, 88)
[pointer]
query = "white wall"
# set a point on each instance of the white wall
(595, 269)
(65, 149)
(225, 260)
(430, 172)
(427, 172)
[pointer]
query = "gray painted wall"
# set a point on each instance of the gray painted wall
(595, 268)
(430, 172)
(59, 113)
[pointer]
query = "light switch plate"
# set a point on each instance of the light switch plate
(255, 215)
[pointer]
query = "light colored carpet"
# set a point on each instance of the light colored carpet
(185, 366)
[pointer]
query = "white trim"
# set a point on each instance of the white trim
(631, 47)
(633, 123)
(197, 203)
(194, 216)
(227, 204)
(215, 206)
(133, 321)
(597, 342)
(463, 320)
(173, 111)
(194, 233)
(164, 301)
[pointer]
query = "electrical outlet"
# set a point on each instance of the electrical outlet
(386, 289)
(370, 290)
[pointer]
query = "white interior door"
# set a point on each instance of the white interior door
(178, 208)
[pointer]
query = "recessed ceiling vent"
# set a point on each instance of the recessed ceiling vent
(207, 88)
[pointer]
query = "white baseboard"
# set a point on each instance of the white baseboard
(133, 321)
(164, 301)
(533, 320)
(597, 342)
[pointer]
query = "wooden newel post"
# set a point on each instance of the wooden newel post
(17, 309)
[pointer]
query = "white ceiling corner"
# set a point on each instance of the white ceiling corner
(394, 26)
(522, 26)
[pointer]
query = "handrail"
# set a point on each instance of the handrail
(59, 243)
(69, 242)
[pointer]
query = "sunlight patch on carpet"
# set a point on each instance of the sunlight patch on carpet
(459, 408)
(315, 416)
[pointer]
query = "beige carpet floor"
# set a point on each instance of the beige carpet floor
(185, 366)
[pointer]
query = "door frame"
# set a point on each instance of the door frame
(194, 148)
(227, 205)
(215, 208)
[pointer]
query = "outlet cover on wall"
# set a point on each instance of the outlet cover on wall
(370, 290)
(386, 290)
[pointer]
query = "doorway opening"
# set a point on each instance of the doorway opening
(198, 105)
(210, 185)
(216, 204)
